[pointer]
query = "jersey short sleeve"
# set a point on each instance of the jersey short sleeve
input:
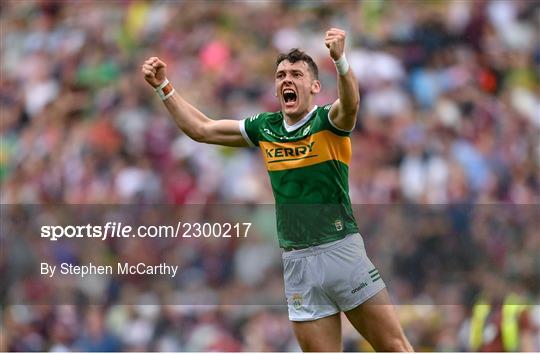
(328, 124)
(250, 129)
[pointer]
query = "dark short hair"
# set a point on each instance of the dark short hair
(295, 55)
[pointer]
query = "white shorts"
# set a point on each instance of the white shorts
(326, 279)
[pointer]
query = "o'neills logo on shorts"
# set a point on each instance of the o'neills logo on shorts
(363, 285)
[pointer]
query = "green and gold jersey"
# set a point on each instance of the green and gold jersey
(308, 164)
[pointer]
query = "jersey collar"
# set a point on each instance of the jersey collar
(290, 128)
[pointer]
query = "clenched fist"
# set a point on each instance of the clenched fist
(335, 42)
(154, 71)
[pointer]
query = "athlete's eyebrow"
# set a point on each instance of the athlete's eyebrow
(292, 71)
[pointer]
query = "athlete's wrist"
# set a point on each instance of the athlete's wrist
(164, 90)
(342, 65)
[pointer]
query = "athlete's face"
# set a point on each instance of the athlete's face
(295, 88)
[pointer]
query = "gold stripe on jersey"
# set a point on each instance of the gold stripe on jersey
(313, 149)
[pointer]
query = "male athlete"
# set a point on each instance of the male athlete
(307, 150)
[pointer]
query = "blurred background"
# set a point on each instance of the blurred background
(450, 115)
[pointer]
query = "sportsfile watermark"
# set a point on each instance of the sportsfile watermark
(230, 254)
(114, 229)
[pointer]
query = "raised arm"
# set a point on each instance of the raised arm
(188, 118)
(344, 109)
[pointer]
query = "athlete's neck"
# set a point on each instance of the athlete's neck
(292, 120)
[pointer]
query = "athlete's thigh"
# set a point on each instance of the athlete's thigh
(376, 320)
(322, 335)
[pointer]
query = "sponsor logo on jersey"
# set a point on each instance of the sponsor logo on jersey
(293, 152)
(338, 224)
(313, 149)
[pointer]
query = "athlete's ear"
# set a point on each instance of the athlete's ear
(315, 87)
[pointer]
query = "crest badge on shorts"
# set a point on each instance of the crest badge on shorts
(297, 301)
(338, 224)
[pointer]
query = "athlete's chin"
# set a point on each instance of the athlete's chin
(288, 110)
(292, 111)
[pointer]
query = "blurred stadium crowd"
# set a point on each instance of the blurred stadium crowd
(450, 114)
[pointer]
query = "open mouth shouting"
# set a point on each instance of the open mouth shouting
(289, 97)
